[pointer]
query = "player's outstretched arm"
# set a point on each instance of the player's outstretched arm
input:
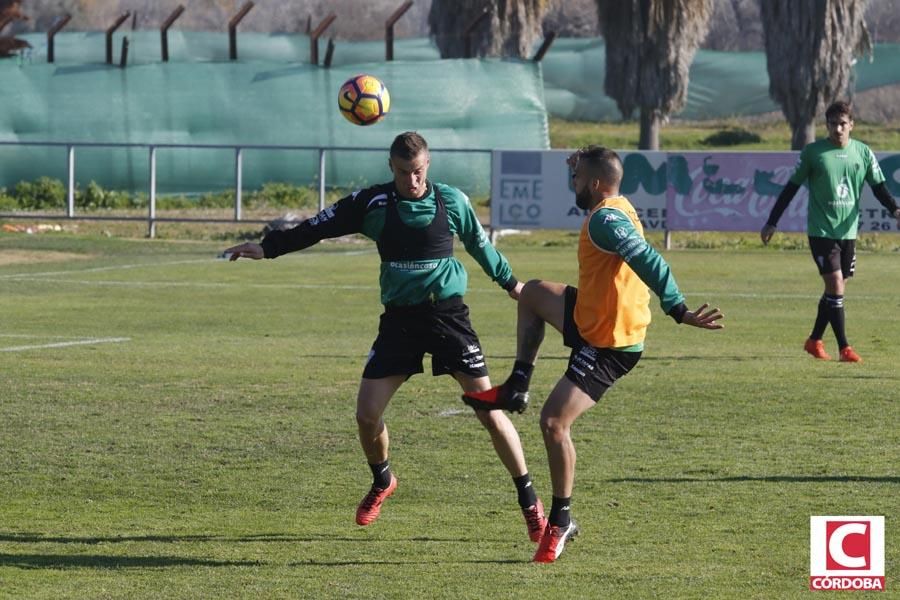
(246, 250)
(703, 320)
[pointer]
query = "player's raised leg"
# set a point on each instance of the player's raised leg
(539, 302)
(371, 402)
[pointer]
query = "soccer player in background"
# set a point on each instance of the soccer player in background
(604, 321)
(835, 168)
(413, 221)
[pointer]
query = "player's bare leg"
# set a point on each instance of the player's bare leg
(508, 446)
(564, 405)
(539, 302)
(371, 402)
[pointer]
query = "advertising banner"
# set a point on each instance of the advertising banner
(533, 189)
(674, 191)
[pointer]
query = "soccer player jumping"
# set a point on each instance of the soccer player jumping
(604, 321)
(836, 168)
(413, 221)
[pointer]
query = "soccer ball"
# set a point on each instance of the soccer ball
(364, 100)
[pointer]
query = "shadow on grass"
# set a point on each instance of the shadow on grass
(37, 538)
(96, 561)
(763, 478)
(436, 561)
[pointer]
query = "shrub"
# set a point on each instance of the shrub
(41, 194)
(94, 196)
(283, 195)
(7, 203)
(731, 137)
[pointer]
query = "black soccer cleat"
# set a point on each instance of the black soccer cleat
(497, 398)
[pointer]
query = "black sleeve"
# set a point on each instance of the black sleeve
(784, 198)
(510, 284)
(884, 196)
(677, 312)
(341, 218)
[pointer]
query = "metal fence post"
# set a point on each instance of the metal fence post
(164, 31)
(70, 186)
(238, 181)
(321, 179)
(314, 38)
(151, 215)
(51, 36)
(389, 29)
(232, 29)
(109, 36)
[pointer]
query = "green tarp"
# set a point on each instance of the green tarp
(455, 104)
(272, 96)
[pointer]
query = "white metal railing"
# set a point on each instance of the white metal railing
(152, 219)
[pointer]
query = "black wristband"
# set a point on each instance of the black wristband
(510, 284)
(677, 312)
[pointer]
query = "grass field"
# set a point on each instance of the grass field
(774, 134)
(174, 426)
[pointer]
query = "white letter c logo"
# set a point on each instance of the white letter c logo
(836, 545)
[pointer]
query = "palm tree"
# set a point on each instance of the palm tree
(650, 45)
(511, 29)
(811, 46)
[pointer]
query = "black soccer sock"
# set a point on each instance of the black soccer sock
(560, 512)
(520, 378)
(821, 320)
(381, 474)
(836, 317)
(527, 497)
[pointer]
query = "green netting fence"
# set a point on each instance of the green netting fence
(455, 104)
(273, 97)
(722, 84)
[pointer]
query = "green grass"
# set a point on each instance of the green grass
(690, 135)
(214, 453)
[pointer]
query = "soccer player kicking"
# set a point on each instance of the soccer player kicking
(413, 221)
(604, 321)
(836, 169)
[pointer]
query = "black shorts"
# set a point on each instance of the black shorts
(834, 255)
(593, 370)
(443, 330)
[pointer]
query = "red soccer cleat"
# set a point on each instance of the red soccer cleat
(554, 540)
(497, 398)
(816, 348)
(849, 355)
(535, 521)
(370, 507)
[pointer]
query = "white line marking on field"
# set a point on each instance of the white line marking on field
(169, 263)
(452, 412)
(197, 284)
(66, 344)
(100, 269)
(31, 336)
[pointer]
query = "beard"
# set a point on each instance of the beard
(583, 199)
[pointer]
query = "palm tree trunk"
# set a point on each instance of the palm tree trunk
(802, 134)
(651, 122)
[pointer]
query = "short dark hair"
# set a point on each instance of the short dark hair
(603, 163)
(408, 145)
(838, 109)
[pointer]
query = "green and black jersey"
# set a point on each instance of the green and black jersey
(409, 281)
(836, 176)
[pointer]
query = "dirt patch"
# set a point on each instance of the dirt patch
(25, 257)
